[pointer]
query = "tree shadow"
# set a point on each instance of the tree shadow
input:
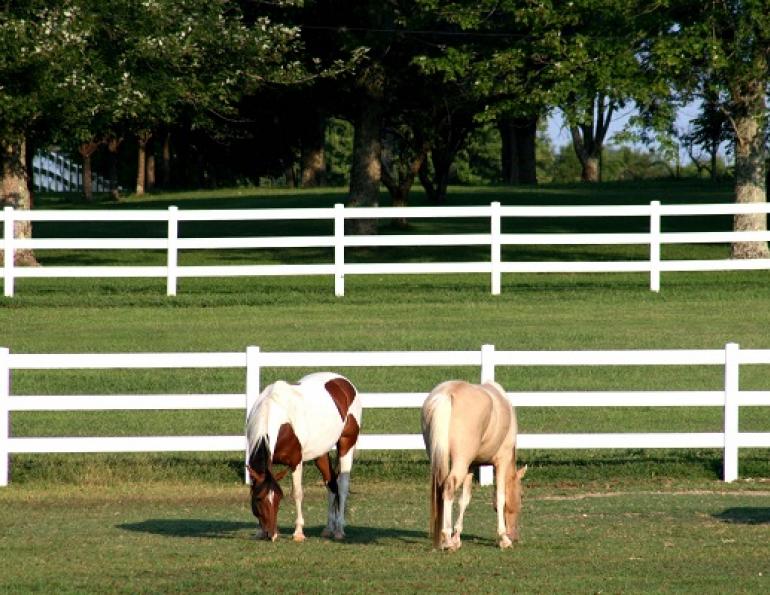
(218, 529)
(745, 515)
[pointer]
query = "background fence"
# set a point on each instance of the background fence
(730, 399)
(52, 172)
(494, 266)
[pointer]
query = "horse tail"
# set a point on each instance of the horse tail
(436, 415)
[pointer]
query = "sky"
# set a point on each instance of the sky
(560, 135)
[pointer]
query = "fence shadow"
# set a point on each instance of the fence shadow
(745, 515)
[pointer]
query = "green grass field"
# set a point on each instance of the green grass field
(620, 520)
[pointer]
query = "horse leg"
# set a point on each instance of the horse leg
(297, 493)
(324, 465)
(502, 532)
(465, 499)
(343, 486)
(451, 483)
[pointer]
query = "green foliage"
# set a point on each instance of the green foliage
(479, 160)
(337, 151)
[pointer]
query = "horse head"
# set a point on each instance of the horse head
(513, 493)
(266, 496)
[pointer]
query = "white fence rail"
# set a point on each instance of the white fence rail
(172, 243)
(730, 398)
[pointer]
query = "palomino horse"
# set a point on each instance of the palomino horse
(463, 425)
(290, 424)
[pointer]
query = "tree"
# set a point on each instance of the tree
(39, 43)
(720, 50)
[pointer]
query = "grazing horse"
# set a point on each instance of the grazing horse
(463, 425)
(290, 424)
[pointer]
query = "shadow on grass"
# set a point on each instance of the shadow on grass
(216, 529)
(746, 515)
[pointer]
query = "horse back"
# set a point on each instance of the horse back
(483, 423)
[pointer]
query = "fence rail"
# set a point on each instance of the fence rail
(253, 360)
(495, 266)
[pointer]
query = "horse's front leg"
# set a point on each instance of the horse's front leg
(465, 499)
(297, 493)
(502, 532)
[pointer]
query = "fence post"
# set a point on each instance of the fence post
(252, 391)
(487, 472)
(9, 232)
(172, 254)
(339, 250)
(5, 393)
(655, 245)
(732, 387)
(494, 246)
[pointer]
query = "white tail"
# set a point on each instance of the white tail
(436, 415)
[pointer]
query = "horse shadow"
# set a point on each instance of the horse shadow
(220, 529)
(745, 515)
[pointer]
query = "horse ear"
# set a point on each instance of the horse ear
(280, 475)
(521, 472)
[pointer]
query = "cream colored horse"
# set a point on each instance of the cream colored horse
(464, 425)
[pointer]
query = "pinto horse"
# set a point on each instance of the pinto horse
(290, 424)
(466, 425)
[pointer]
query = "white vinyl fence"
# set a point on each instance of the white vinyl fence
(172, 243)
(730, 398)
(53, 172)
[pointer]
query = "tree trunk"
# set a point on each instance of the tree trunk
(86, 150)
(150, 168)
(518, 136)
(366, 169)
(166, 157)
(141, 163)
(399, 188)
(313, 156)
(750, 172)
(113, 144)
(14, 192)
(590, 172)
(588, 137)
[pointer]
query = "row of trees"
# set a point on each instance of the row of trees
(228, 88)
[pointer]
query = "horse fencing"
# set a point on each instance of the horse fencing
(494, 266)
(730, 398)
(53, 172)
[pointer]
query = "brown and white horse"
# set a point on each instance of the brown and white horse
(467, 424)
(290, 424)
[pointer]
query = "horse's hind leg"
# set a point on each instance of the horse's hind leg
(324, 465)
(343, 486)
(465, 499)
(297, 493)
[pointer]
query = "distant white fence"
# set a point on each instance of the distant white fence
(53, 172)
(730, 398)
(339, 241)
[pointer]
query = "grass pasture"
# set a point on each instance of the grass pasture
(615, 520)
(199, 538)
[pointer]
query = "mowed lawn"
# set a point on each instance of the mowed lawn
(199, 537)
(619, 520)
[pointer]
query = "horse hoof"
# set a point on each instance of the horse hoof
(505, 542)
(299, 537)
(339, 535)
(327, 532)
(274, 537)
